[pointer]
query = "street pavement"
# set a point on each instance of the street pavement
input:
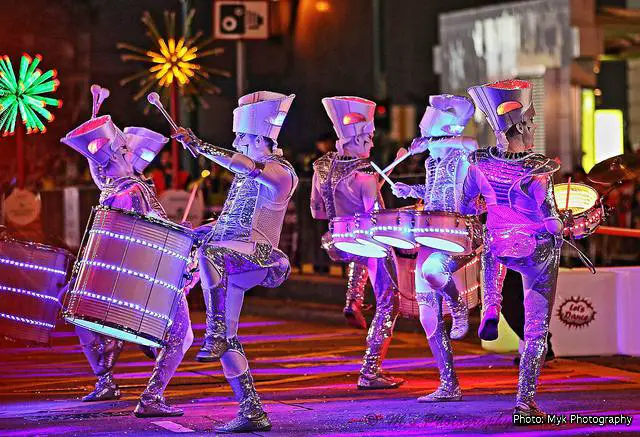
(306, 373)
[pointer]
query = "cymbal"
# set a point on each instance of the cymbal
(616, 169)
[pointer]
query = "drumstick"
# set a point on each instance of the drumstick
(194, 190)
(396, 162)
(382, 173)
(568, 192)
(154, 99)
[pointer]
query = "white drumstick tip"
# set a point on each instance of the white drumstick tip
(153, 98)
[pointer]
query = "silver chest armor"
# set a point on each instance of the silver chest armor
(248, 214)
(333, 169)
(440, 193)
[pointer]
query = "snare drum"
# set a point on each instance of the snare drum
(129, 276)
(393, 227)
(31, 278)
(348, 236)
(587, 211)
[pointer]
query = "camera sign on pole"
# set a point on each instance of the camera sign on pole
(236, 19)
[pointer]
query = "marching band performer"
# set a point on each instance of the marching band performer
(446, 168)
(523, 229)
(241, 251)
(343, 185)
(116, 161)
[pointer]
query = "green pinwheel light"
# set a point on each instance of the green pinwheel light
(24, 95)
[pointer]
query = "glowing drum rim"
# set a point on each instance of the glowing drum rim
(129, 276)
(32, 276)
(583, 204)
(394, 227)
(343, 234)
(445, 231)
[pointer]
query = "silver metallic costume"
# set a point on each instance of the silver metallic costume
(118, 177)
(344, 186)
(523, 230)
(446, 169)
(241, 251)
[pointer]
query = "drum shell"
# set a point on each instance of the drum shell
(466, 278)
(107, 297)
(396, 224)
(31, 293)
(342, 229)
(452, 227)
(586, 223)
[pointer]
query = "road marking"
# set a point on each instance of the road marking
(172, 426)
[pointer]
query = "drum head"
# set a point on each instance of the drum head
(440, 244)
(581, 197)
(114, 332)
(367, 250)
(399, 242)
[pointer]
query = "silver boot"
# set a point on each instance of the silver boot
(102, 354)
(251, 416)
(459, 317)
(357, 276)
(215, 341)
(155, 406)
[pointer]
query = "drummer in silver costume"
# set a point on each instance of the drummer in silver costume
(344, 184)
(118, 174)
(523, 230)
(446, 168)
(241, 251)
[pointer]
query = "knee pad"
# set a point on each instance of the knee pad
(234, 363)
(435, 270)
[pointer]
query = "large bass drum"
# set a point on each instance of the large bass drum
(32, 276)
(129, 276)
(466, 278)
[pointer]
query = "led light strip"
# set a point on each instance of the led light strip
(31, 266)
(27, 321)
(121, 303)
(441, 231)
(344, 235)
(130, 272)
(139, 241)
(28, 293)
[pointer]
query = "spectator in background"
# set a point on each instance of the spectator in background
(311, 257)
(162, 175)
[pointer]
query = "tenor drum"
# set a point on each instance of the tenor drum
(31, 278)
(446, 231)
(466, 278)
(584, 205)
(394, 227)
(348, 236)
(129, 276)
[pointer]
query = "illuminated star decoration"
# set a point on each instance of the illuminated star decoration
(173, 60)
(23, 96)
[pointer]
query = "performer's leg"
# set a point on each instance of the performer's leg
(437, 270)
(430, 303)
(384, 277)
(539, 294)
(102, 352)
(214, 291)
(492, 277)
(179, 339)
(251, 415)
(356, 282)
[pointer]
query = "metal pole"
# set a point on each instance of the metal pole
(240, 67)
(175, 150)
(20, 152)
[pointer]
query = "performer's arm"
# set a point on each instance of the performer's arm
(272, 174)
(318, 209)
(474, 185)
(541, 189)
(369, 190)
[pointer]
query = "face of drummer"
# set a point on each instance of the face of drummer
(253, 146)
(359, 146)
(118, 166)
